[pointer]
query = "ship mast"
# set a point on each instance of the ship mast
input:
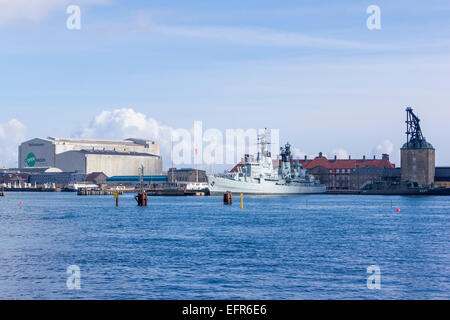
(171, 155)
(262, 142)
(141, 178)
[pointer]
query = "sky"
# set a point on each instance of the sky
(311, 69)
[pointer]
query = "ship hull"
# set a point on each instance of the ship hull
(220, 185)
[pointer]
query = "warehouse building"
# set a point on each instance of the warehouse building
(442, 177)
(134, 181)
(58, 178)
(186, 175)
(114, 158)
(112, 163)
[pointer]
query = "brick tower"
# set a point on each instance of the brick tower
(417, 155)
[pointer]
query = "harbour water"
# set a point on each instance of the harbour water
(196, 248)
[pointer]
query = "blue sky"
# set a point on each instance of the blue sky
(311, 69)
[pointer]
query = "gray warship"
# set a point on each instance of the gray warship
(259, 177)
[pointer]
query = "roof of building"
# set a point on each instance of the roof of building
(95, 175)
(423, 144)
(140, 141)
(127, 142)
(53, 170)
(115, 153)
(137, 179)
(24, 170)
(185, 170)
(345, 163)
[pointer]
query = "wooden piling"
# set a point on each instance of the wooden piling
(228, 198)
(138, 199)
(142, 199)
(116, 196)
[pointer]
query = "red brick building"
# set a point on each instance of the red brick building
(336, 173)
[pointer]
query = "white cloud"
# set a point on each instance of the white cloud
(341, 153)
(385, 147)
(126, 123)
(299, 154)
(17, 11)
(12, 133)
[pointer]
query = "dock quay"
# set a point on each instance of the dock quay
(343, 192)
(87, 192)
(38, 189)
(177, 193)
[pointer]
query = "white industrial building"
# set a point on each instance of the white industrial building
(114, 158)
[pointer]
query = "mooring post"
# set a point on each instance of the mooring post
(242, 201)
(116, 196)
(144, 199)
(136, 197)
(227, 198)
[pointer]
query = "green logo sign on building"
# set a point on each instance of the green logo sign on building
(31, 159)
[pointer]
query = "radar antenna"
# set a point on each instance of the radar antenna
(285, 152)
